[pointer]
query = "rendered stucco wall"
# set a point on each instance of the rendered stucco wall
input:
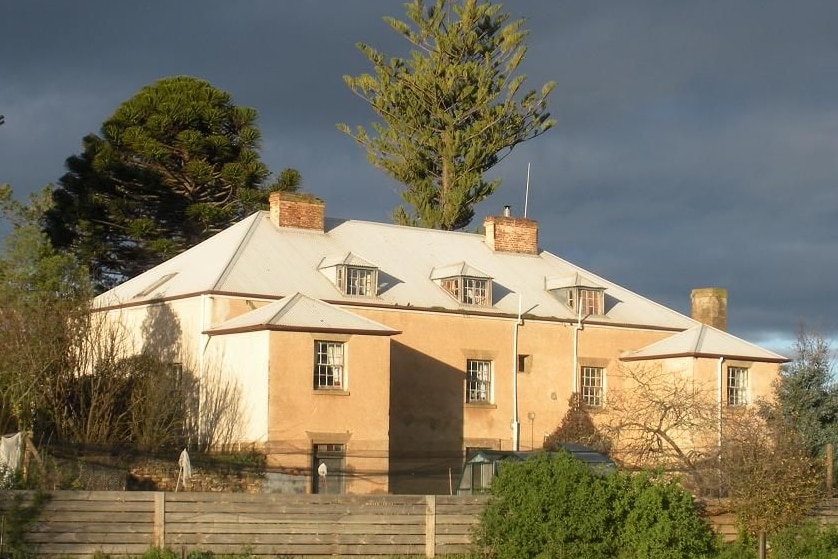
(358, 417)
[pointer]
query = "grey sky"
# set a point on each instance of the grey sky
(695, 146)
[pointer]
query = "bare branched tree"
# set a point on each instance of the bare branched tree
(220, 411)
(661, 418)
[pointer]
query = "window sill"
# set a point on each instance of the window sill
(330, 392)
(484, 405)
(594, 409)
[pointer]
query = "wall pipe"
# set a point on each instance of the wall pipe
(516, 423)
(576, 329)
(721, 402)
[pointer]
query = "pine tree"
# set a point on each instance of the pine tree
(451, 111)
(175, 164)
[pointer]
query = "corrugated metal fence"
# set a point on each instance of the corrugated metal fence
(80, 523)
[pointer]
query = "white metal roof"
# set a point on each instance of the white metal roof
(258, 259)
(301, 313)
(703, 341)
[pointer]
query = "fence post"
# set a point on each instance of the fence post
(430, 525)
(829, 466)
(160, 519)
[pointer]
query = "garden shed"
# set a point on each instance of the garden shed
(482, 465)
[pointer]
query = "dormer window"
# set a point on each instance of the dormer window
(586, 301)
(351, 275)
(355, 280)
(469, 291)
(582, 295)
(466, 284)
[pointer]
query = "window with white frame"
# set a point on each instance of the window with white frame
(358, 281)
(478, 381)
(593, 386)
(329, 361)
(737, 386)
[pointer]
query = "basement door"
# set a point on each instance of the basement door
(328, 465)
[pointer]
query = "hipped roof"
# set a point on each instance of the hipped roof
(256, 259)
(300, 313)
(703, 341)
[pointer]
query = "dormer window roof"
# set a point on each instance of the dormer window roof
(582, 295)
(352, 275)
(465, 283)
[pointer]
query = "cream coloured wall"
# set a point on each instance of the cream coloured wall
(405, 412)
(357, 417)
(243, 358)
(431, 423)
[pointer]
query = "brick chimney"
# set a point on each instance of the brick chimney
(709, 305)
(511, 234)
(289, 209)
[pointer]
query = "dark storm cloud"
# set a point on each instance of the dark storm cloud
(695, 145)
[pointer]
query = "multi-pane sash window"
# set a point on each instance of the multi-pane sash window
(586, 301)
(475, 291)
(471, 291)
(590, 301)
(357, 281)
(737, 386)
(478, 380)
(593, 382)
(329, 366)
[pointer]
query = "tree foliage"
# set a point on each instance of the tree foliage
(173, 165)
(768, 474)
(71, 375)
(451, 111)
(42, 295)
(578, 427)
(555, 506)
(807, 395)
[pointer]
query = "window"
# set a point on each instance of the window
(475, 291)
(328, 465)
(354, 280)
(478, 381)
(589, 301)
(737, 386)
(470, 291)
(329, 366)
(593, 383)
(477, 478)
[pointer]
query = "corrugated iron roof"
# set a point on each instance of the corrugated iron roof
(458, 269)
(258, 259)
(703, 341)
(301, 313)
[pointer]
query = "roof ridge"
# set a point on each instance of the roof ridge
(255, 217)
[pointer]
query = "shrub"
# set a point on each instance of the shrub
(805, 541)
(555, 506)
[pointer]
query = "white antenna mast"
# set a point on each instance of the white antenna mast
(527, 194)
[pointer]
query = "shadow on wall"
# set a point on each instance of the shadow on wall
(426, 422)
(161, 333)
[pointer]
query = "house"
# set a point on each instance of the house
(385, 353)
